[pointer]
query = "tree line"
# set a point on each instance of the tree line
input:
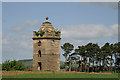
(92, 58)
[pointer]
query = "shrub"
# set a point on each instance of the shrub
(41, 33)
(57, 32)
(37, 34)
(62, 65)
(12, 65)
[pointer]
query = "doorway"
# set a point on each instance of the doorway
(39, 66)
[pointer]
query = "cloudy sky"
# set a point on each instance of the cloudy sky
(79, 22)
(0, 32)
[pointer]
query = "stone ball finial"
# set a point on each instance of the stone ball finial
(46, 18)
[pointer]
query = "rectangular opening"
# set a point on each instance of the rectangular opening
(39, 53)
(39, 66)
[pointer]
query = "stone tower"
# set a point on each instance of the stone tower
(46, 48)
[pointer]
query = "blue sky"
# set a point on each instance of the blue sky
(79, 22)
(59, 13)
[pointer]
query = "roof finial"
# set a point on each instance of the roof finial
(46, 18)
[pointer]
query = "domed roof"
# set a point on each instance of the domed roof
(46, 26)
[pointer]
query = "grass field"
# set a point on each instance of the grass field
(62, 75)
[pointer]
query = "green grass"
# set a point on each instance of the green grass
(63, 75)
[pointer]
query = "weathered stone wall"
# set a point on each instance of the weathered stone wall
(50, 54)
(35, 62)
(50, 62)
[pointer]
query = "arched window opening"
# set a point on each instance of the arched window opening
(39, 53)
(39, 43)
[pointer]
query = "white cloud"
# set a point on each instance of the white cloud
(0, 34)
(113, 5)
(24, 25)
(0, 47)
(90, 31)
(32, 22)
(22, 42)
(25, 44)
(17, 48)
(4, 41)
(19, 27)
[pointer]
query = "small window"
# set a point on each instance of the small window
(39, 43)
(39, 53)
